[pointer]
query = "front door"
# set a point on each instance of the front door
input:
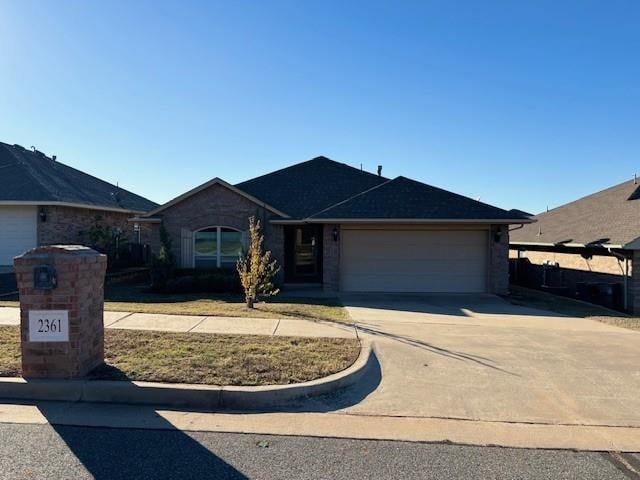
(303, 253)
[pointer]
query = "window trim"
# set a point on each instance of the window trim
(218, 242)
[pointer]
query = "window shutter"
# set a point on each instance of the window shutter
(186, 248)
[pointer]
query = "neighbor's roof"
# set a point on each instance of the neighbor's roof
(406, 199)
(610, 217)
(308, 187)
(31, 177)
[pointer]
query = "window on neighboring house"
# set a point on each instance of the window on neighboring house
(217, 247)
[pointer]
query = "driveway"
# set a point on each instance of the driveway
(478, 357)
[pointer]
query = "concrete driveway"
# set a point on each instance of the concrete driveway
(478, 357)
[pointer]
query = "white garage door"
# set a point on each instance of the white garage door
(17, 232)
(414, 261)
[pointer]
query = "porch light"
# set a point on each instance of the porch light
(43, 215)
(335, 234)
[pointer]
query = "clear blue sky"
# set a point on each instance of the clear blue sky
(520, 104)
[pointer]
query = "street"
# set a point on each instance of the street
(61, 452)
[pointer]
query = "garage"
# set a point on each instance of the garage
(414, 260)
(18, 227)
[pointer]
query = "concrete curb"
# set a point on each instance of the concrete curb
(184, 395)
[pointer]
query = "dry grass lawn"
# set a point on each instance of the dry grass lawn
(206, 358)
(572, 308)
(136, 298)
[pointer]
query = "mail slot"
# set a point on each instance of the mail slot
(44, 277)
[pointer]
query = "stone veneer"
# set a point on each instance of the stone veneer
(80, 290)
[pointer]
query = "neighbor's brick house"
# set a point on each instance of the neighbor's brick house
(44, 202)
(592, 240)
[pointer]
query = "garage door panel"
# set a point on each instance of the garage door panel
(18, 231)
(414, 261)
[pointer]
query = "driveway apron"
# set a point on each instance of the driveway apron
(478, 357)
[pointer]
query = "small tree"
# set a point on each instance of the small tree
(163, 264)
(165, 255)
(256, 269)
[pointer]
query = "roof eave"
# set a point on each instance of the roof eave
(570, 245)
(408, 220)
(88, 206)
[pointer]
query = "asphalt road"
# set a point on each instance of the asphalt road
(44, 451)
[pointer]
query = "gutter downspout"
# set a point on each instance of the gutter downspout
(626, 276)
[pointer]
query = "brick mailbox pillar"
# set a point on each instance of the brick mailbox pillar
(61, 310)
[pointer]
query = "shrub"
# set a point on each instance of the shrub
(163, 264)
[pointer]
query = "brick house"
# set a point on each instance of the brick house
(346, 229)
(44, 202)
(593, 240)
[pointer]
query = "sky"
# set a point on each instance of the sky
(519, 104)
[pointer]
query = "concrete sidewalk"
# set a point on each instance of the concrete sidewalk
(208, 324)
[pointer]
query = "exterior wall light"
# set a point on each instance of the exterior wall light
(43, 215)
(335, 233)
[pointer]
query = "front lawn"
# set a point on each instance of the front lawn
(205, 358)
(566, 306)
(137, 298)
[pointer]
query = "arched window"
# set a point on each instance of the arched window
(217, 247)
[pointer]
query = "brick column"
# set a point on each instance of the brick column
(499, 259)
(79, 291)
(330, 258)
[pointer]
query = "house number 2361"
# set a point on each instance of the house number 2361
(48, 325)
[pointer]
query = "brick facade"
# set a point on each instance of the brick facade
(330, 258)
(213, 207)
(498, 260)
(70, 225)
(80, 291)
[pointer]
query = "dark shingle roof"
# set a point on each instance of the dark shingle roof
(403, 198)
(311, 186)
(611, 217)
(28, 176)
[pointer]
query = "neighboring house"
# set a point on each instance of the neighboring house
(595, 239)
(346, 229)
(43, 202)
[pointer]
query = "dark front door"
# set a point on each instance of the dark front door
(303, 253)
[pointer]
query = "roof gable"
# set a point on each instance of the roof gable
(406, 199)
(308, 187)
(609, 217)
(32, 177)
(206, 185)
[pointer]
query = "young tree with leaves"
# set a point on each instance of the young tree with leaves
(256, 269)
